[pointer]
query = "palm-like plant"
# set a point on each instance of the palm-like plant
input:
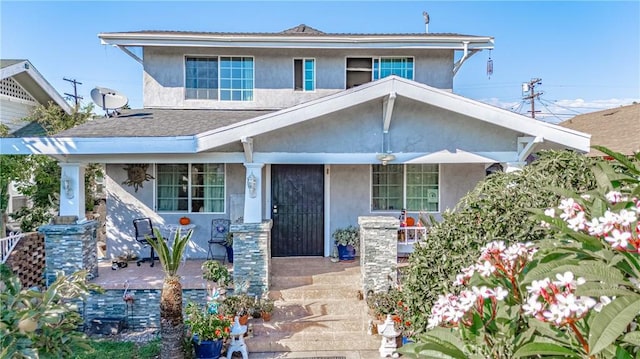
(171, 320)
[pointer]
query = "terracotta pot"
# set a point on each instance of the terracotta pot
(243, 320)
(266, 316)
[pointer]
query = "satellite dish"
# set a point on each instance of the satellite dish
(108, 99)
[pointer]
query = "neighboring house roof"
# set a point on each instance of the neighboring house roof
(25, 74)
(617, 129)
(233, 126)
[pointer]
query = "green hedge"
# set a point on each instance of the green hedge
(498, 208)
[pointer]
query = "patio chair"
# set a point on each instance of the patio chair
(219, 230)
(144, 228)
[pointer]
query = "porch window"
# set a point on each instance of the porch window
(196, 187)
(414, 187)
(223, 78)
(304, 75)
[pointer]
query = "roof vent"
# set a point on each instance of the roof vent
(426, 21)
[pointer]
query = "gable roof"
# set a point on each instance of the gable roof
(617, 128)
(232, 132)
(24, 73)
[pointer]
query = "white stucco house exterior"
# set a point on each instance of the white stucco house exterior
(307, 129)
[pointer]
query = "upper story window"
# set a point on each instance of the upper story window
(196, 187)
(304, 76)
(399, 66)
(224, 78)
(414, 187)
(361, 70)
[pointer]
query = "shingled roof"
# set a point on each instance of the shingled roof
(616, 129)
(160, 123)
(299, 30)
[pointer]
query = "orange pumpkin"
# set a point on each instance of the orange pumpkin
(184, 221)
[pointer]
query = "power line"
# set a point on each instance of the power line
(75, 90)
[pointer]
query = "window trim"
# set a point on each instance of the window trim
(218, 57)
(189, 196)
(404, 190)
(372, 68)
(314, 78)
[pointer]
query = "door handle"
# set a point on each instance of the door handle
(275, 209)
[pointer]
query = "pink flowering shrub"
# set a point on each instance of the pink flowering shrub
(575, 294)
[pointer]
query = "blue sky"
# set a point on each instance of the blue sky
(586, 53)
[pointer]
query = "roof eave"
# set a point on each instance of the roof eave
(207, 40)
(96, 145)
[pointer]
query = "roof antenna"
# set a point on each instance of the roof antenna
(426, 21)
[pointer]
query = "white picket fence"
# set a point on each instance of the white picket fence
(8, 243)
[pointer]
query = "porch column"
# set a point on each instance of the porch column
(72, 190)
(378, 252)
(253, 193)
(513, 166)
(252, 256)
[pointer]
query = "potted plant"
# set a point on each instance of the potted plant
(228, 244)
(240, 305)
(267, 306)
(208, 330)
(216, 272)
(347, 239)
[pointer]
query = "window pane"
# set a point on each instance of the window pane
(236, 77)
(422, 188)
(201, 74)
(401, 66)
(172, 184)
(386, 187)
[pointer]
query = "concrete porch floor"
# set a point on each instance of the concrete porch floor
(288, 275)
(147, 277)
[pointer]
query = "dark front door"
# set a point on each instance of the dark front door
(297, 197)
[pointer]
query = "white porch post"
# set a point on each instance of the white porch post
(514, 166)
(253, 193)
(72, 190)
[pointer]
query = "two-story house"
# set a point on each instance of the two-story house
(306, 129)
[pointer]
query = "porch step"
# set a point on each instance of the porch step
(317, 308)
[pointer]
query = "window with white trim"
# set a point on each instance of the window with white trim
(224, 78)
(361, 70)
(196, 187)
(413, 187)
(304, 76)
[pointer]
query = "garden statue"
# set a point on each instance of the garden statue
(237, 340)
(389, 334)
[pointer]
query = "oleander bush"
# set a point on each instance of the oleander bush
(498, 208)
(575, 293)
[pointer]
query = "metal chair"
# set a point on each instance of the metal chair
(219, 230)
(144, 229)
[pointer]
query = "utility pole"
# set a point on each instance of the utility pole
(75, 90)
(529, 93)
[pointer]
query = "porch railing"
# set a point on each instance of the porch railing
(8, 243)
(411, 235)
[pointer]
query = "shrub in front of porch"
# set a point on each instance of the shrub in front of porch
(497, 209)
(42, 323)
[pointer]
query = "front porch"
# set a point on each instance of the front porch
(317, 302)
